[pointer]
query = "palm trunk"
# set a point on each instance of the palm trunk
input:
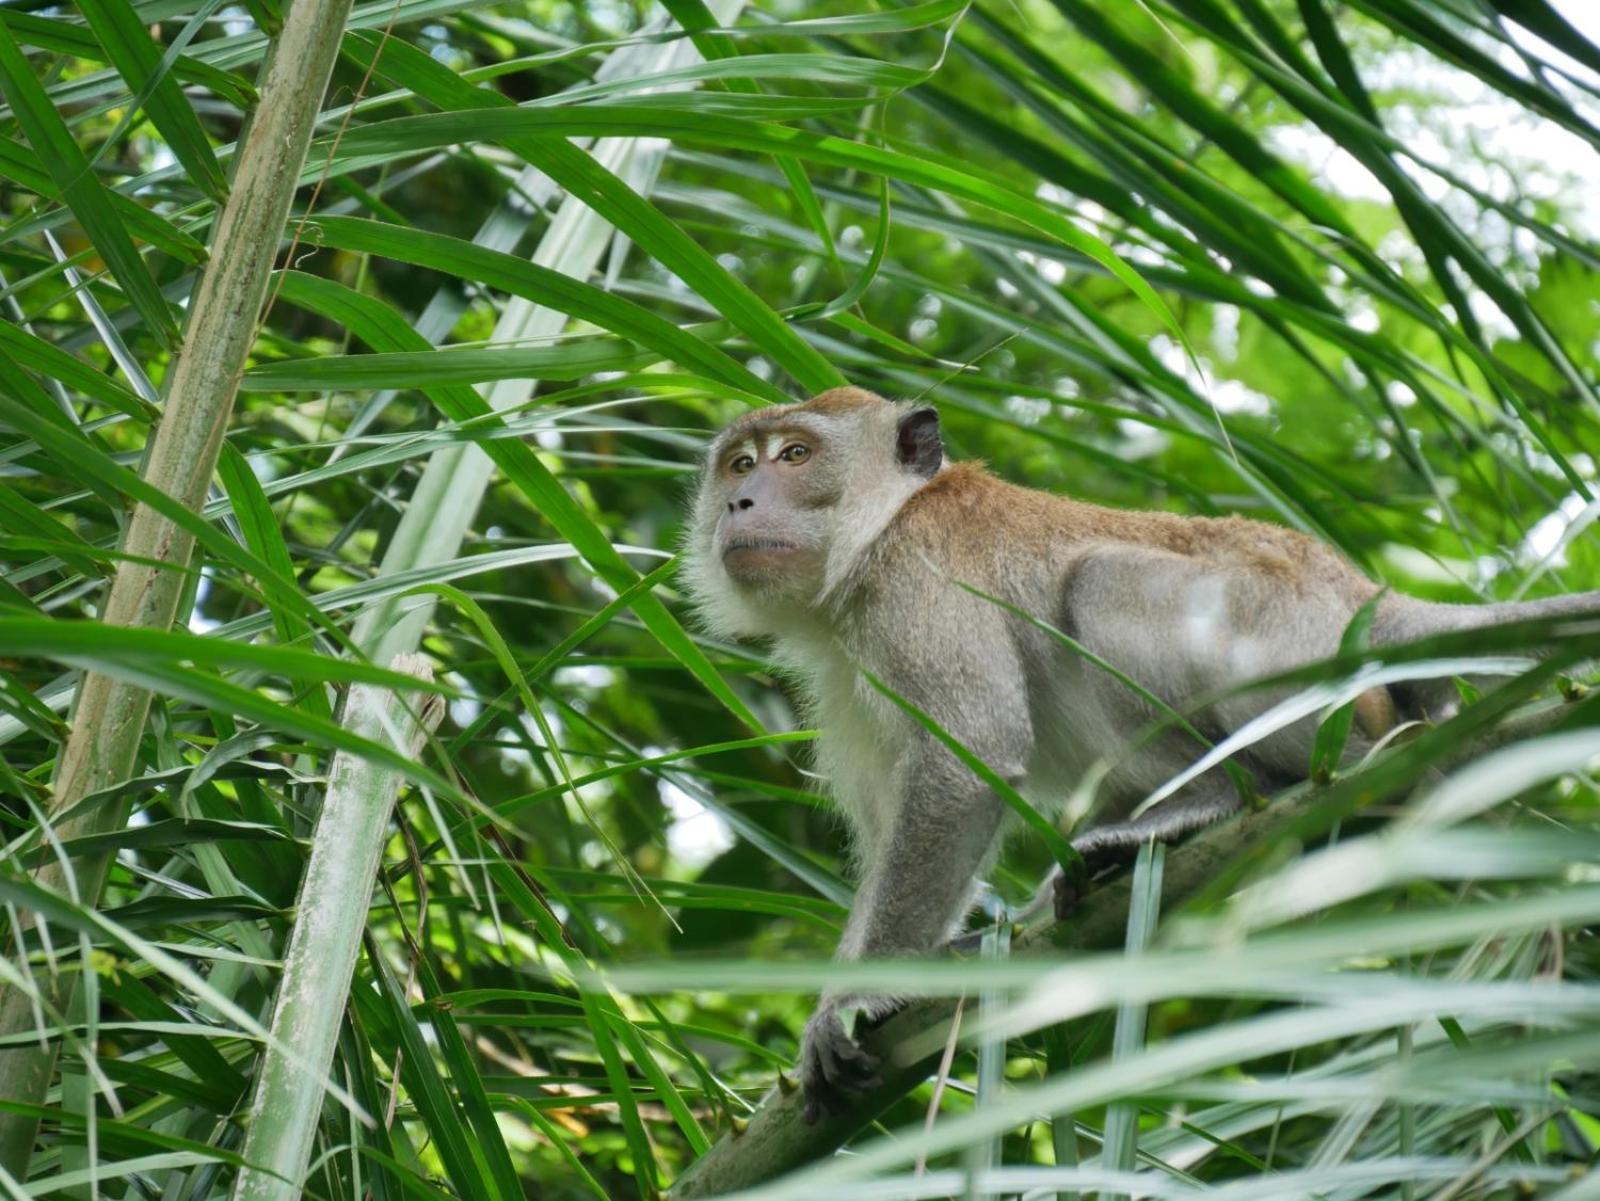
(331, 915)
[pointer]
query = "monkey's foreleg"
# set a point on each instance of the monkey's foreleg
(917, 886)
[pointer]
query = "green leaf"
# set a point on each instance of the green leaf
(173, 832)
(128, 46)
(634, 216)
(543, 286)
(378, 325)
(91, 203)
(403, 135)
(79, 457)
(19, 164)
(67, 37)
(263, 535)
(460, 1151)
(572, 358)
(1327, 750)
(51, 361)
(44, 636)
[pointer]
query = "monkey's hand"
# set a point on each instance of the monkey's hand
(832, 1065)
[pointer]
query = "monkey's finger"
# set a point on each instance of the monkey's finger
(822, 1099)
(862, 1062)
(853, 1053)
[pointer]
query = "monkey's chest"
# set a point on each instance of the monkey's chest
(860, 747)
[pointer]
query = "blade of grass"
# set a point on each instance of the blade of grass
(410, 134)
(1119, 1147)
(90, 203)
(441, 524)
(128, 45)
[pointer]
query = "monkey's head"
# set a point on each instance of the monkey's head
(790, 498)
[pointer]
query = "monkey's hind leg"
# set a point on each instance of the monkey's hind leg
(1203, 803)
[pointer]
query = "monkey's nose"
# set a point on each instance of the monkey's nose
(744, 502)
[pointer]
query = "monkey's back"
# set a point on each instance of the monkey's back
(967, 519)
(1187, 606)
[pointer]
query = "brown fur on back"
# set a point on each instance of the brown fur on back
(964, 508)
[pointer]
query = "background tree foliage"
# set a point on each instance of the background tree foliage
(1366, 304)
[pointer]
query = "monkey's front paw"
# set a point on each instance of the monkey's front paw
(833, 1066)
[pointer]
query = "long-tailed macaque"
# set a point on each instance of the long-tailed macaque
(838, 530)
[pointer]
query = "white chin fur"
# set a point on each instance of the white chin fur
(726, 607)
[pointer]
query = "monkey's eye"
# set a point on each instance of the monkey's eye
(741, 464)
(795, 452)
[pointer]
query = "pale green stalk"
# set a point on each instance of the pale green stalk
(1119, 1150)
(351, 830)
(453, 483)
(327, 936)
(109, 715)
(983, 1157)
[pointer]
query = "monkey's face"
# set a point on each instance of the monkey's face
(791, 498)
(776, 486)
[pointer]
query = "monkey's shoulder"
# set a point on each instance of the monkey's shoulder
(965, 503)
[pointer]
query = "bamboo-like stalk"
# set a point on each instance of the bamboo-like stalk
(455, 478)
(330, 918)
(109, 716)
(351, 829)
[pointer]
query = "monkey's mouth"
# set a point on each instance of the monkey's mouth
(756, 544)
(753, 560)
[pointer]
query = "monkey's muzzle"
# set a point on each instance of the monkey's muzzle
(753, 556)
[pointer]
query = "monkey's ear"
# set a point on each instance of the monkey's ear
(918, 444)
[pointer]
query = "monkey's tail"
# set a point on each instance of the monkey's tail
(1405, 618)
